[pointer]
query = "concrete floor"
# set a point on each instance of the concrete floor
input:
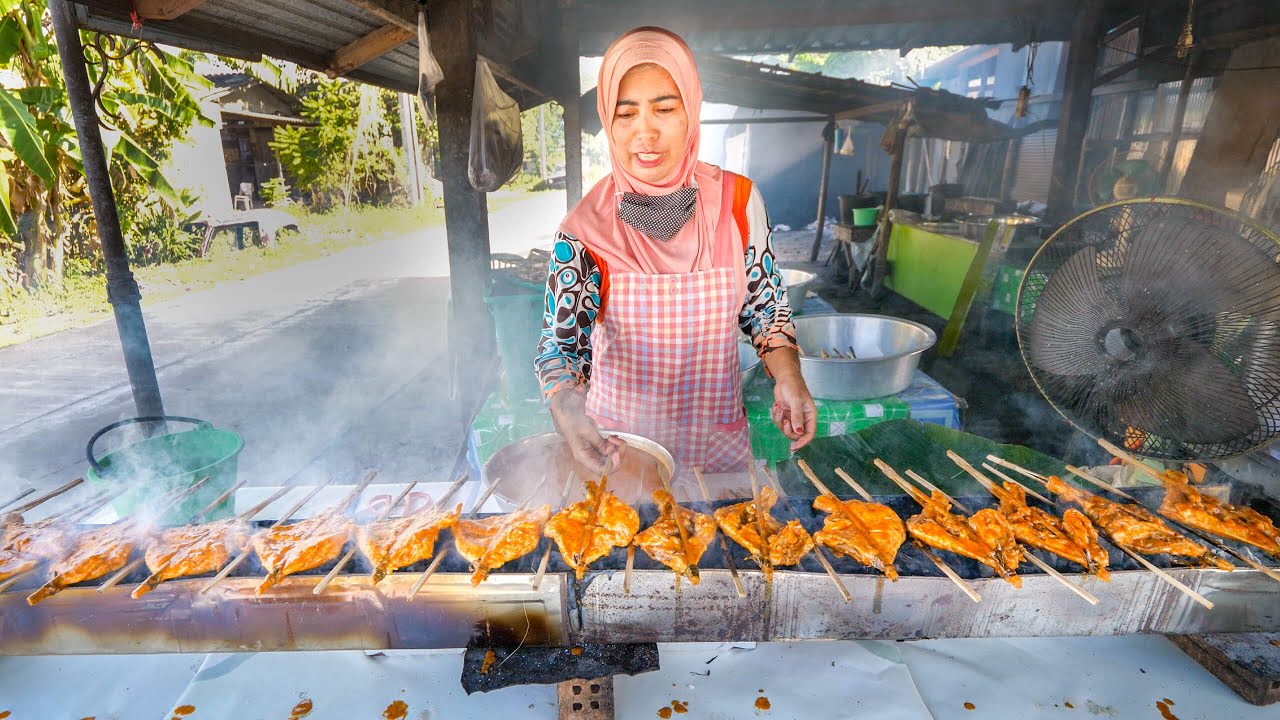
(329, 366)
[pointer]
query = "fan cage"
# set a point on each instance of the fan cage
(1246, 345)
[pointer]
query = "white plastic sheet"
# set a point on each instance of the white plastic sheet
(497, 148)
(429, 72)
(97, 686)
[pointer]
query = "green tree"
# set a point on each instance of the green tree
(349, 153)
(145, 100)
(553, 128)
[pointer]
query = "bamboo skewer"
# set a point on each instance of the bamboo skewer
(999, 493)
(724, 544)
(862, 492)
(675, 515)
(16, 498)
(817, 548)
(1217, 544)
(441, 553)
(996, 471)
(921, 498)
(456, 486)
(244, 554)
(70, 515)
(43, 498)
(1123, 548)
(546, 553)
(342, 562)
(626, 576)
(124, 571)
(934, 488)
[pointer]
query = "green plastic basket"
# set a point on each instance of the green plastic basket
(864, 217)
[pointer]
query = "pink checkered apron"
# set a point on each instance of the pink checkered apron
(666, 366)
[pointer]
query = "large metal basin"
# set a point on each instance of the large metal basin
(797, 283)
(887, 351)
(517, 468)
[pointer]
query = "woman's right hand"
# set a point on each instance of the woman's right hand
(593, 451)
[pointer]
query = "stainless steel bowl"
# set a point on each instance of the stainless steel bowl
(516, 469)
(797, 283)
(886, 349)
(749, 361)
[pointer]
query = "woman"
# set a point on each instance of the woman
(655, 276)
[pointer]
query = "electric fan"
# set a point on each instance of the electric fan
(1155, 324)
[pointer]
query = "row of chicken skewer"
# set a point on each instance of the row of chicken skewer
(864, 531)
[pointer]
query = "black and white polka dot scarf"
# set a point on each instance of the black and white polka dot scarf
(658, 216)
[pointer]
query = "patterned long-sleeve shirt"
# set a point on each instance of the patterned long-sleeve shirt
(575, 295)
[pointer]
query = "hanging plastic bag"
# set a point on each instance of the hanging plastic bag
(497, 149)
(429, 72)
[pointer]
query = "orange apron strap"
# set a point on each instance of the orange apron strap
(741, 196)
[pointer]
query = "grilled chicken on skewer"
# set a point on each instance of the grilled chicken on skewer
(93, 555)
(399, 542)
(1134, 526)
(868, 532)
(588, 530)
(494, 541)
(304, 545)
(985, 536)
(192, 550)
(752, 525)
(1209, 514)
(1073, 537)
(664, 542)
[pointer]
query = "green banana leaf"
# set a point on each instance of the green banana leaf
(19, 129)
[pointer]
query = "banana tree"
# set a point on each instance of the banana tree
(146, 100)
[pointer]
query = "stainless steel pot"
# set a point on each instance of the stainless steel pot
(516, 469)
(886, 352)
(749, 361)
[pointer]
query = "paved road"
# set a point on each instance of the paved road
(328, 366)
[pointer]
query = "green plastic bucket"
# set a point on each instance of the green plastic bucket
(517, 323)
(161, 466)
(864, 217)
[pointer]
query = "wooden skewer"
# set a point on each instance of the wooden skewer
(934, 488)
(244, 554)
(760, 525)
(919, 497)
(684, 536)
(342, 562)
(996, 471)
(69, 515)
(1220, 546)
(426, 575)
(817, 548)
(724, 544)
(626, 576)
(999, 493)
(124, 571)
(47, 496)
(15, 499)
(379, 573)
(862, 492)
(1123, 548)
(546, 554)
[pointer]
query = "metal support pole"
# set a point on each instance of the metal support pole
(1077, 101)
(828, 147)
(466, 210)
(122, 289)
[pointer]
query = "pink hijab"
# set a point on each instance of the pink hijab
(594, 220)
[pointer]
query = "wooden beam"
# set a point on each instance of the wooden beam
(466, 210)
(369, 48)
(165, 9)
(1077, 101)
(387, 13)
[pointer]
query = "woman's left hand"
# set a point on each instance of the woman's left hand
(793, 410)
